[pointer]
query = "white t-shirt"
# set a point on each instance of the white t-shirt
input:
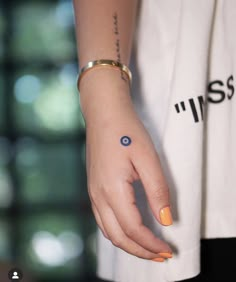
(183, 65)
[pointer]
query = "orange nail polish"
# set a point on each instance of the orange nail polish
(165, 216)
(158, 259)
(165, 255)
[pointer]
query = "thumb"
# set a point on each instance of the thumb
(151, 174)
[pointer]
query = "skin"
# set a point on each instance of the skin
(109, 114)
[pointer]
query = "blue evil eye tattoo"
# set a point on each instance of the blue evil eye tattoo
(125, 140)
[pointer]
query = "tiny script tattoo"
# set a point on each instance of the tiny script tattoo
(117, 42)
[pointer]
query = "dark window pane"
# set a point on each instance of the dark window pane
(43, 31)
(2, 103)
(2, 27)
(4, 239)
(50, 173)
(46, 103)
(90, 229)
(6, 186)
(51, 245)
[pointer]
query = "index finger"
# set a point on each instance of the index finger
(130, 220)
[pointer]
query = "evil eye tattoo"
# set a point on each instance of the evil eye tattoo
(125, 140)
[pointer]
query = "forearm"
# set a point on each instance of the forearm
(104, 30)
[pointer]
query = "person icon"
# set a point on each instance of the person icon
(15, 276)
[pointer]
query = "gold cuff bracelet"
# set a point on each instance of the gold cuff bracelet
(104, 62)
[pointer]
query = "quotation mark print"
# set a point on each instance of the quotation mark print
(193, 107)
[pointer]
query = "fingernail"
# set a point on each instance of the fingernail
(165, 216)
(158, 259)
(165, 255)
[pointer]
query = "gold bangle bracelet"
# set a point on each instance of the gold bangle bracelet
(104, 62)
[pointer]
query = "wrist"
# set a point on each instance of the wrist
(125, 71)
(99, 76)
(102, 88)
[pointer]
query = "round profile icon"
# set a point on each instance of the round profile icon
(15, 274)
(125, 140)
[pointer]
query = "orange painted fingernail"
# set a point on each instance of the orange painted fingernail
(165, 255)
(165, 216)
(158, 259)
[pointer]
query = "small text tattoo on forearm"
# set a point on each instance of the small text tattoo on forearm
(117, 41)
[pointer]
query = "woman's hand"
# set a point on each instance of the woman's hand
(112, 167)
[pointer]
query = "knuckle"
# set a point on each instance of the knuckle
(116, 242)
(105, 234)
(161, 193)
(106, 191)
(131, 232)
(92, 196)
(91, 191)
(94, 192)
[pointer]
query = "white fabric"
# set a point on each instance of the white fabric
(180, 47)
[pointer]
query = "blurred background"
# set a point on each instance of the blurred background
(46, 225)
